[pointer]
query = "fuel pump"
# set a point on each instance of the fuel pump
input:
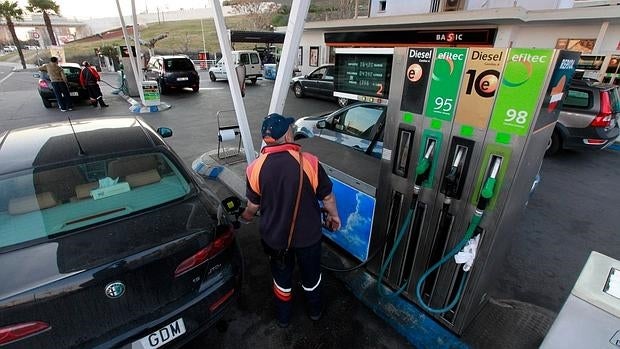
(486, 195)
(480, 125)
(422, 172)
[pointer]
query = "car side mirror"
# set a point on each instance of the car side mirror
(164, 132)
(321, 124)
(36, 75)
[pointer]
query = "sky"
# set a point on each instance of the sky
(85, 9)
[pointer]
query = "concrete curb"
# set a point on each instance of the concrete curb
(136, 107)
(209, 168)
(419, 329)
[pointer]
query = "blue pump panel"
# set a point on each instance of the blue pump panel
(356, 210)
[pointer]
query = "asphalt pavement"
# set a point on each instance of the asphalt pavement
(574, 211)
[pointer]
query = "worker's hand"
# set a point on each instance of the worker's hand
(333, 223)
(246, 216)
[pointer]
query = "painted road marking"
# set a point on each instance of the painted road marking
(211, 88)
(6, 77)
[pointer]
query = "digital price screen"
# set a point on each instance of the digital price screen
(363, 76)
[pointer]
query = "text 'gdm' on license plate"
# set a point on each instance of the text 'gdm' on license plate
(162, 336)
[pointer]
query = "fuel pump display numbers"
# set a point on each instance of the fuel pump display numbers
(523, 78)
(363, 74)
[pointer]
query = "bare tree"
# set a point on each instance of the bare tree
(151, 43)
(186, 42)
(257, 12)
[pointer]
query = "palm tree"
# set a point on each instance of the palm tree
(45, 7)
(10, 11)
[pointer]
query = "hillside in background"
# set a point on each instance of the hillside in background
(186, 37)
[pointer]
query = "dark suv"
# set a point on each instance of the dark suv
(172, 72)
(589, 117)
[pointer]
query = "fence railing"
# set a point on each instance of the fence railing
(204, 64)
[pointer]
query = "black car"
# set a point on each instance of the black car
(319, 83)
(588, 119)
(108, 244)
(172, 72)
(72, 72)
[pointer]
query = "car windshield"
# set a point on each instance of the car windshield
(37, 203)
(178, 64)
(72, 73)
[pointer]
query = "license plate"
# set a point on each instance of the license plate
(161, 337)
(74, 94)
(183, 79)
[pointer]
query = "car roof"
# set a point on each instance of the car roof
(593, 83)
(54, 143)
(171, 56)
(71, 65)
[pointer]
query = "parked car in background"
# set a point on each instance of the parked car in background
(359, 126)
(250, 59)
(172, 72)
(319, 83)
(588, 118)
(72, 72)
(107, 240)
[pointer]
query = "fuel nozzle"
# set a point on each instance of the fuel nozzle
(488, 188)
(423, 169)
(451, 179)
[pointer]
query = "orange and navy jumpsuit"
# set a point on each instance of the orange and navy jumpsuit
(272, 183)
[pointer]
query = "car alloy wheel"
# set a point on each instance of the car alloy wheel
(299, 92)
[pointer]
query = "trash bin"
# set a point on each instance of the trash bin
(151, 93)
(270, 71)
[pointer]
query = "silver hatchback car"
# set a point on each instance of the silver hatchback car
(588, 118)
(359, 126)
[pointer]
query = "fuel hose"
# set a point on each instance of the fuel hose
(486, 195)
(422, 173)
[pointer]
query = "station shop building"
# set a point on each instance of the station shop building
(593, 31)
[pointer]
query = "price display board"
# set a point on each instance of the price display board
(363, 76)
(517, 99)
(446, 79)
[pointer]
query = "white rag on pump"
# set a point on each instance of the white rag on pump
(468, 253)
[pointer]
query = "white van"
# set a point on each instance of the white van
(251, 60)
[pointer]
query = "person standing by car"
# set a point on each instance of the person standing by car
(290, 213)
(89, 79)
(59, 84)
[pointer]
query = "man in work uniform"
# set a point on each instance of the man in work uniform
(89, 79)
(272, 187)
(59, 84)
